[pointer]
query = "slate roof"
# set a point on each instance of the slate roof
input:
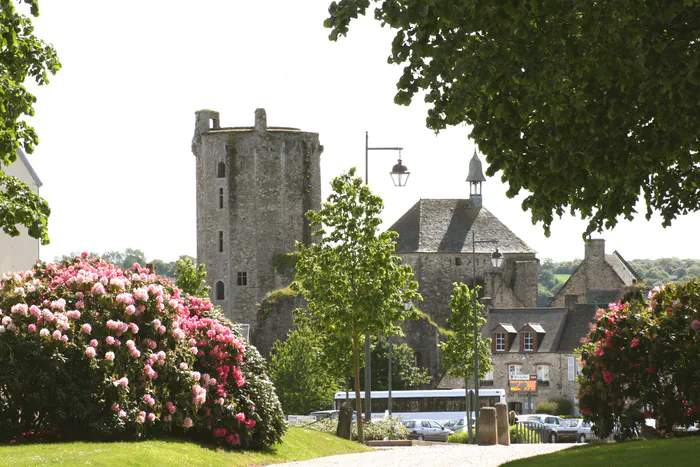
(623, 270)
(445, 225)
(550, 320)
(577, 326)
(476, 173)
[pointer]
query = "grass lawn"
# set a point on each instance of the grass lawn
(562, 277)
(675, 452)
(297, 444)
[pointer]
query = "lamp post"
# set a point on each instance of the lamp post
(399, 175)
(496, 262)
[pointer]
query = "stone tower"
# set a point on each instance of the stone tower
(254, 185)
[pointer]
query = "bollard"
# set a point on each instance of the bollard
(487, 427)
(502, 423)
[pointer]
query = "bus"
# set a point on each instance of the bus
(429, 404)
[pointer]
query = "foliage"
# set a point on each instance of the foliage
(521, 434)
(181, 368)
(352, 282)
(458, 350)
(629, 454)
(551, 98)
(284, 262)
(664, 270)
(404, 372)
(298, 372)
(271, 298)
(22, 57)
(297, 444)
(642, 359)
(561, 406)
(389, 428)
(191, 279)
(460, 437)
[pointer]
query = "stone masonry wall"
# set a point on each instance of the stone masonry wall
(272, 178)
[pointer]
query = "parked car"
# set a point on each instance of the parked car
(552, 421)
(575, 429)
(428, 430)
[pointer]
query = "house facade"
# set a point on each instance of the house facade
(22, 252)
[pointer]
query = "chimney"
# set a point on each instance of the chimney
(205, 120)
(260, 120)
(570, 302)
(595, 249)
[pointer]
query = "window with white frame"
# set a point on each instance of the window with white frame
(513, 370)
(543, 373)
(500, 342)
(528, 342)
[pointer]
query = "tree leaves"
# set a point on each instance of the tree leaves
(585, 105)
(22, 56)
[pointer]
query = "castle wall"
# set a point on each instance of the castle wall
(272, 177)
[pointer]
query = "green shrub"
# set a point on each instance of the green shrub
(387, 428)
(562, 406)
(461, 437)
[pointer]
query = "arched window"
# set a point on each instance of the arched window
(221, 170)
(219, 290)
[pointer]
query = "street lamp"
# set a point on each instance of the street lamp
(496, 262)
(399, 175)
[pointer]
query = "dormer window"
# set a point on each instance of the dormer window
(531, 336)
(502, 337)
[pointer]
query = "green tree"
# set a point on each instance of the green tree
(557, 91)
(22, 56)
(351, 281)
(299, 372)
(404, 372)
(191, 278)
(458, 350)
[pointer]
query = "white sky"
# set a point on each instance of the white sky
(116, 122)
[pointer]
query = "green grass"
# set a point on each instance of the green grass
(675, 452)
(562, 277)
(297, 444)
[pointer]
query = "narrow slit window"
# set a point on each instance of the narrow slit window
(221, 198)
(458, 261)
(219, 290)
(221, 170)
(221, 241)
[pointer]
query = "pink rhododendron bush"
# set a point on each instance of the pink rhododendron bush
(90, 351)
(642, 360)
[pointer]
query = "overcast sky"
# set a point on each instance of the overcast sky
(116, 122)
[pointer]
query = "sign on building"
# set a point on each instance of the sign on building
(523, 383)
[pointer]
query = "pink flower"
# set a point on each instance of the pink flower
(240, 417)
(90, 352)
(695, 324)
(187, 422)
(250, 424)
(110, 340)
(151, 417)
(86, 328)
(608, 377)
(115, 407)
(130, 310)
(109, 356)
(98, 288)
(93, 342)
(32, 328)
(219, 432)
(183, 366)
(141, 417)
(44, 332)
(123, 382)
(635, 343)
(56, 334)
(170, 407)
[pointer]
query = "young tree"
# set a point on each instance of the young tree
(351, 281)
(191, 278)
(553, 99)
(299, 371)
(458, 350)
(22, 56)
(404, 372)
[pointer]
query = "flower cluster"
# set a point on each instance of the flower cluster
(127, 343)
(642, 360)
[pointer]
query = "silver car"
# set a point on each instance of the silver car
(575, 429)
(427, 430)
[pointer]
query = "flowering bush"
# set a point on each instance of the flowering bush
(642, 360)
(92, 351)
(385, 428)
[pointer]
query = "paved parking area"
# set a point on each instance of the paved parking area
(436, 455)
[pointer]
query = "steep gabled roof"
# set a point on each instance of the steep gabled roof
(29, 167)
(549, 321)
(445, 225)
(623, 270)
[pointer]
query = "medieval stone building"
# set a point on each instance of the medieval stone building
(600, 278)
(435, 238)
(254, 185)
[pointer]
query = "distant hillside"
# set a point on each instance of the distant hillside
(553, 275)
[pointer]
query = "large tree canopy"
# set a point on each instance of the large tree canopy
(587, 105)
(22, 56)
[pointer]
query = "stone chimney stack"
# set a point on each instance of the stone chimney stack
(595, 249)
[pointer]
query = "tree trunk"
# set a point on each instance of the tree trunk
(468, 420)
(358, 401)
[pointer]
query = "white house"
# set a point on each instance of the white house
(22, 252)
